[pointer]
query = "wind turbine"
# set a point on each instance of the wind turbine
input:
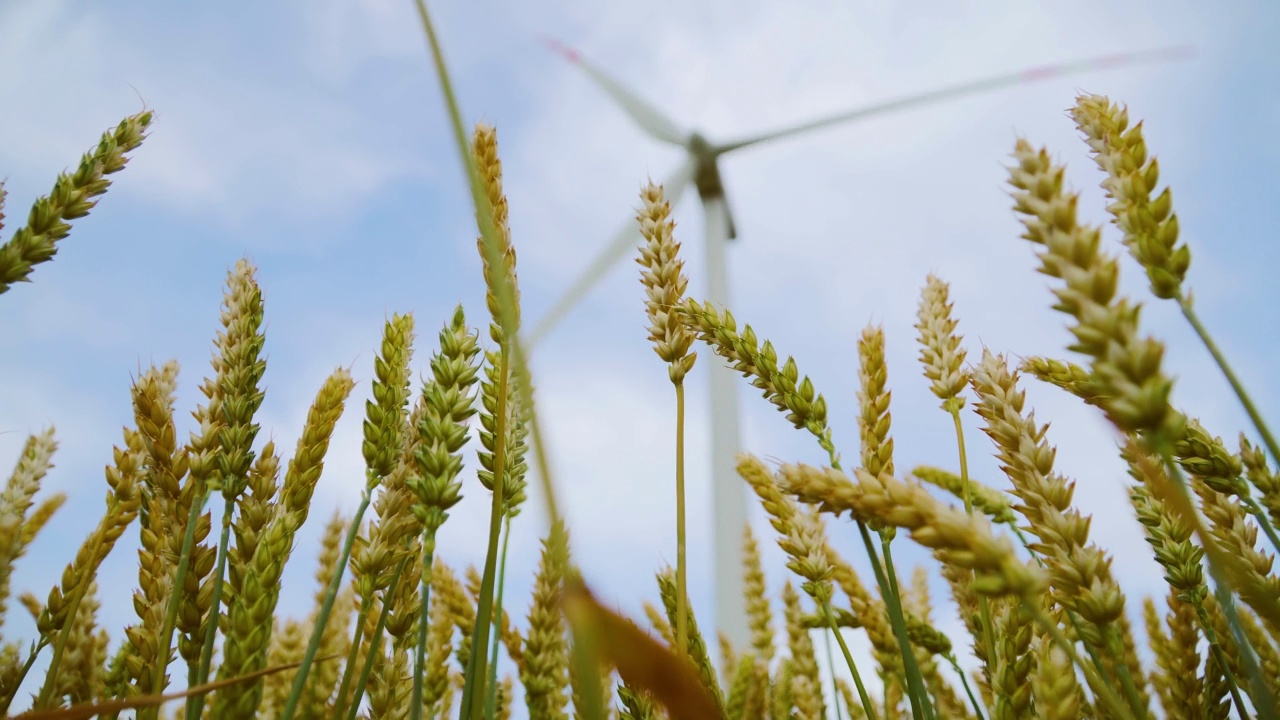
(701, 168)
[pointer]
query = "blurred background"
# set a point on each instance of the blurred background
(311, 138)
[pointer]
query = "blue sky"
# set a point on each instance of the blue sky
(311, 138)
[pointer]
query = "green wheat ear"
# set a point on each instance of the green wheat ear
(72, 197)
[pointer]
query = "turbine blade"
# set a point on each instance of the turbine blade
(993, 83)
(625, 240)
(648, 117)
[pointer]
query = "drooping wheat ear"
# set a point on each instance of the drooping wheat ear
(759, 614)
(489, 165)
(1177, 655)
(73, 196)
(664, 282)
(783, 386)
(443, 428)
(804, 681)
(251, 612)
(1066, 375)
(989, 501)
(956, 538)
(545, 672)
(940, 351)
(1057, 694)
(1011, 679)
(16, 500)
(1150, 227)
(1134, 391)
(873, 402)
(697, 651)
(1079, 572)
(800, 536)
(1263, 477)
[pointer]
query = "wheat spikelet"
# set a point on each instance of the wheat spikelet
(73, 196)
(1177, 656)
(1067, 375)
(288, 643)
(991, 502)
(1265, 479)
(759, 614)
(665, 282)
(940, 351)
(1150, 227)
(545, 670)
(1057, 695)
(697, 650)
(1011, 679)
(955, 537)
(1133, 389)
(873, 402)
(484, 147)
(804, 682)
(16, 500)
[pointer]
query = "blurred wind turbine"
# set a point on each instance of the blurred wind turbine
(701, 168)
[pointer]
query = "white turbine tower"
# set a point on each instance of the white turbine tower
(700, 167)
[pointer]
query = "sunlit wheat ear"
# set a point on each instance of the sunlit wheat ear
(1079, 571)
(1126, 367)
(485, 150)
(664, 282)
(251, 612)
(545, 672)
(955, 537)
(1263, 477)
(783, 386)
(759, 614)
(385, 414)
(15, 502)
(1150, 226)
(940, 351)
(256, 508)
(873, 402)
(1067, 375)
(1014, 660)
(516, 448)
(73, 196)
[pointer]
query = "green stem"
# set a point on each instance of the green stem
(682, 624)
(915, 684)
(1216, 649)
(51, 673)
(424, 607)
(984, 606)
(476, 666)
(26, 668)
(831, 663)
(373, 642)
(491, 702)
(867, 707)
(1267, 438)
(1122, 669)
(357, 637)
(291, 705)
(195, 703)
(175, 598)
(964, 680)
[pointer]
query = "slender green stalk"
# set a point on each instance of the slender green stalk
(1190, 314)
(195, 703)
(26, 668)
(424, 607)
(369, 661)
(1233, 685)
(331, 594)
(491, 702)
(682, 623)
(867, 707)
(171, 611)
(920, 705)
(964, 680)
(984, 605)
(357, 637)
(831, 663)
(476, 667)
(1122, 669)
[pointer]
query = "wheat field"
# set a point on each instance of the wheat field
(399, 630)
